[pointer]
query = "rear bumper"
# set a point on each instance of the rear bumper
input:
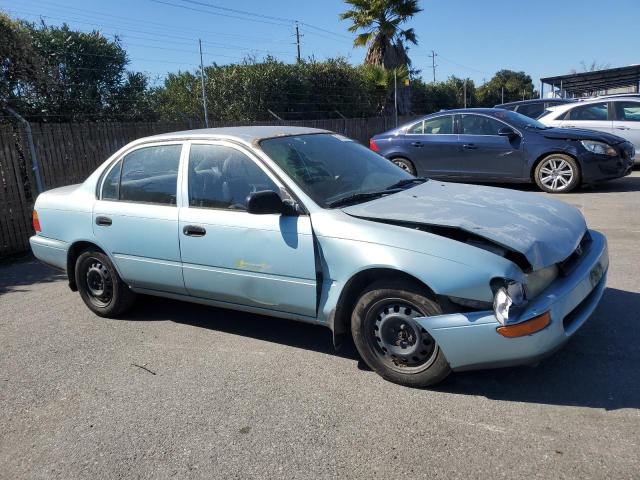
(470, 340)
(50, 251)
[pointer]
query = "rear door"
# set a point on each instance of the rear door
(232, 256)
(432, 144)
(593, 116)
(484, 154)
(136, 217)
(626, 122)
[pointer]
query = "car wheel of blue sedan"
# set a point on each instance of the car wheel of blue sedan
(100, 286)
(557, 173)
(389, 339)
(405, 164)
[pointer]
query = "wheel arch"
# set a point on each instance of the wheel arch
(73, 253)
(341, 322)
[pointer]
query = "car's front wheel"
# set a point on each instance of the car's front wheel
(391, 341)
(100, 286)
(405, 164)
(557, 173)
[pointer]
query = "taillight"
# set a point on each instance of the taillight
(373, 146)
(36, 222)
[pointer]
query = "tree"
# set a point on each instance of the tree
(591, 67)
(18, 60)
(516, 85)
(380, 21)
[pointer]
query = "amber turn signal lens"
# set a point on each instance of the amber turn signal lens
(36, 222)
(525, 328)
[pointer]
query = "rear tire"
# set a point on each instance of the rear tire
(557, 173)
(390, 341)
(405, 164)
(100, 286)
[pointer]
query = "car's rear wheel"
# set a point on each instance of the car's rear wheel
(100, 286)
(405, 164)
(391, 341)
(557, 173)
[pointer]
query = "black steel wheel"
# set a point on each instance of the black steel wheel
(389, 338)
(100, 286)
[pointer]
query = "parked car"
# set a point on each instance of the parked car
(305, 224)
(495, 145)
(617, 115)
(534, 108)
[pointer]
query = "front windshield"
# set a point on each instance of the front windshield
(518, 120)
(331, 168)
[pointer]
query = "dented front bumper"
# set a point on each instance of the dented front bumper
(470, 340)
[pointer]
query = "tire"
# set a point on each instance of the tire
(405, 164)
(100, 286)
(390, 342)
(557, 173)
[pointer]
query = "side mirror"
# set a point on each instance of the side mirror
(508, 132)
(268, 202)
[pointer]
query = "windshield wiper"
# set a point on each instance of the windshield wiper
(356, 197)
(405, 182)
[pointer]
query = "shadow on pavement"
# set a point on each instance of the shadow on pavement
(598, 368)
(17, 275)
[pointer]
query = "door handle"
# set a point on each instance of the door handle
(103, 221)
(622, 128)
(569, 126)
(417, 144)
(469, 146)
(194, 231)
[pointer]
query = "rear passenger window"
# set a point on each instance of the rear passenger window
(416, 129)
(532, 110)
(111, 185)
(150, 175)
(223, 177)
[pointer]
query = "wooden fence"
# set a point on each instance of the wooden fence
(68, 153)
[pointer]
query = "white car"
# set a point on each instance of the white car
(617, 115)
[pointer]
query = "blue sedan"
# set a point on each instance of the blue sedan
(497, 145)
(426, 277)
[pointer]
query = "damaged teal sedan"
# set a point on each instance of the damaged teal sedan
(426, 277)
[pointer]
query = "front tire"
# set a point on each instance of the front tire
(100, 286)
(405, 164)
(557, 173)
(390, 341)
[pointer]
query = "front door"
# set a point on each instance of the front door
(485, 155)
(593, 116)
(232, 256)
(136, 217)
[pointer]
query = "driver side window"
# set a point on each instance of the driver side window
(223, 177)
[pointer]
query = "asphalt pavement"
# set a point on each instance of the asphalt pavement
(186, 391)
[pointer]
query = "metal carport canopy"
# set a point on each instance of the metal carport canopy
(598, 80)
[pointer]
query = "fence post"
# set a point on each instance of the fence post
(35, 166)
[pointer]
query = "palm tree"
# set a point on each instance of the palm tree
(381, 20)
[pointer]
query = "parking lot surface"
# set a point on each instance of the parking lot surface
(181, 390)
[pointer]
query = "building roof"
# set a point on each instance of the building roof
(598, 80)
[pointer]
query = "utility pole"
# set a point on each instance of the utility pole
(502, 95)
(204, 97)
(465, 93)
(433, 64)
(298, 41)
(395, 94)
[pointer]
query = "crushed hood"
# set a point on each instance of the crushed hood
(581, 134)
(545, 231)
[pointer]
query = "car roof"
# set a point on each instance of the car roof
(465, 110)
(536, 100)
(248, 134)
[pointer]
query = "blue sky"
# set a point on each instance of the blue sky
(472, 38)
